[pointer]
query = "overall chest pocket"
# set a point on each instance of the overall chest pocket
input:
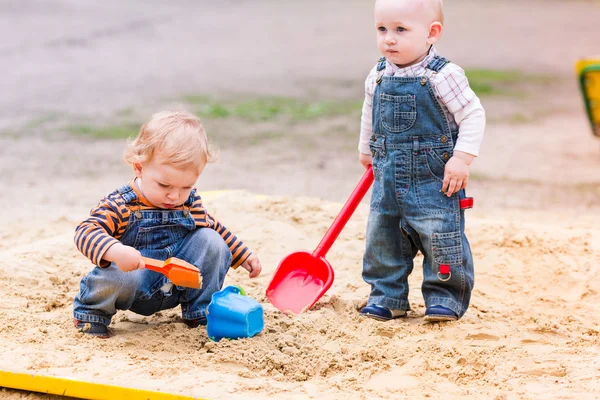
(398, 113)
(154, 235)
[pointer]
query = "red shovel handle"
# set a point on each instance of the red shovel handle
(344, 215)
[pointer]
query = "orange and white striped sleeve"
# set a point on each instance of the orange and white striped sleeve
(239, 251)
(95, 235)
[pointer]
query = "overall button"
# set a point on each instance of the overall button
(373, 153)
(373, 139)
(446, 156)
(444, 139)
(423, 81)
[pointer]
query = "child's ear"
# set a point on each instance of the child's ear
(435, 31)
(137, 169)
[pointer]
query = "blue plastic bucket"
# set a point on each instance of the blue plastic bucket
(233, 315)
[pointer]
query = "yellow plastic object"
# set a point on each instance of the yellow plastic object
(80, 389)
(588, 72)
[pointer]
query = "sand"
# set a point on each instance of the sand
(531, 332)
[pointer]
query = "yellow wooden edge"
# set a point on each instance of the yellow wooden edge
(581, 64)
(80, 389)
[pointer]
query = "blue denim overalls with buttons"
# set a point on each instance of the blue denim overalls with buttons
(411, 143)
(158, 234)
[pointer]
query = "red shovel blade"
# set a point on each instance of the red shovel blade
(302, 278)
(299, 281)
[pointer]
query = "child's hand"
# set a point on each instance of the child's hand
(252, 265)
(456, 173)
(126, 257)
(365, 159)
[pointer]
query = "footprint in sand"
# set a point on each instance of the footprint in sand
(482, 336)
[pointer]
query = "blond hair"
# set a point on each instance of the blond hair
(177, 138)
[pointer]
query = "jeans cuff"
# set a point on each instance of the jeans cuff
(195, 315)
(389, 302)
(92, 318)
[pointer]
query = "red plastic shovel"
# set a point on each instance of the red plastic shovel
(302, 278)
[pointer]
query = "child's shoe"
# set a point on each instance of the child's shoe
(440, 314)
(194, 323)
(92, 328)
(381, 313)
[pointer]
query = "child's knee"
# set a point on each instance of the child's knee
(108, 283)
(212, 244)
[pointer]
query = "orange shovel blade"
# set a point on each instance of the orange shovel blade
(180, 272)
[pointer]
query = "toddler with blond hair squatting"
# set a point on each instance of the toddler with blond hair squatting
(421, 128)
(157, 214)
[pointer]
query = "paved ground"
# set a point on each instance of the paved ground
(83, 57)
(79, 61)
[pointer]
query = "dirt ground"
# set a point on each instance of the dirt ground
(533, 328)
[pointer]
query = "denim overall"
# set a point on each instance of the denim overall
(411, 143)
(158, 234)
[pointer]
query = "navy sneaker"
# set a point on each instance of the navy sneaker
(96, 329)
(440, 314)
(381, 313)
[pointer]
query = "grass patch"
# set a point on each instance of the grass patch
(477, 176)
(488, 82)
(273, 108)
(41, 121)
(260, 138)
(109, 132)
(590, 187)
(520, 119)
(33, 125)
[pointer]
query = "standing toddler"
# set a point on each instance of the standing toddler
(421, 128)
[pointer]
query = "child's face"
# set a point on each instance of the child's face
(404, 30)
(164, 185)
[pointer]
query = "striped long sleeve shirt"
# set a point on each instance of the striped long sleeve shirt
(109, 219)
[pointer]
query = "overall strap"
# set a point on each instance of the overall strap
(191, 198)
(380, 70)
(437, 63)
(128, 194)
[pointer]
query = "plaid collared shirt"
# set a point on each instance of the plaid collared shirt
(452, 89)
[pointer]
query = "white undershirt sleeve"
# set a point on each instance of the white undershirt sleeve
(455, 93)
(471, 127)
(366, 120)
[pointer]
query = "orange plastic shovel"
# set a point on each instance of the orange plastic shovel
(302, 278)
(180, 272)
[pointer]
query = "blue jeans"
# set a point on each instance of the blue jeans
(409, 214)
(105, 290)
(392, 245)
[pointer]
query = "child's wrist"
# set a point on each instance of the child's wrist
(465, 157)
(112, 254)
